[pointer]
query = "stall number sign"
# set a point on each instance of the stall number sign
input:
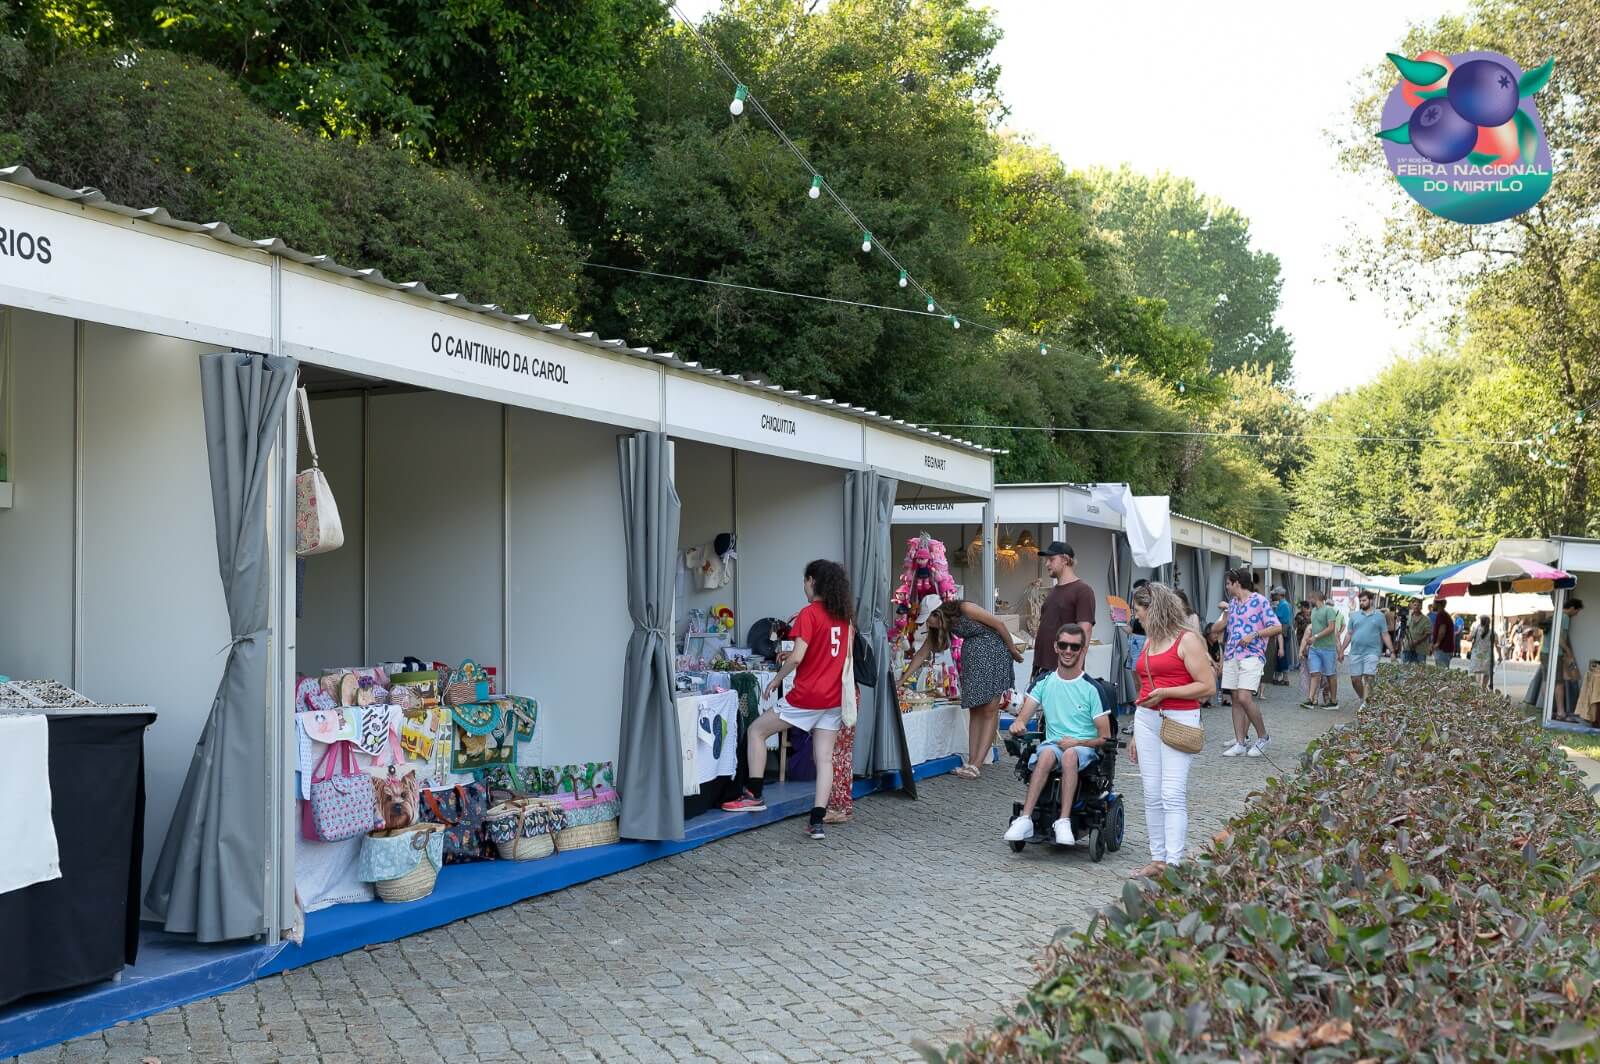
(21, 244)
(482, 354)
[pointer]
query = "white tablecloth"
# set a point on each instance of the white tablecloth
(938, 731)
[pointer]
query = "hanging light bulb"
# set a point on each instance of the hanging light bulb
(904, 280)
(1578, 417)
(955, 322)
(1116, 370)
(736, 108)
(816, 186)
(1044, 348)
(1181, 388)
(866, 241)
(930, 304)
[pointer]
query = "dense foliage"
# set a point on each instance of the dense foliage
(1427, 886)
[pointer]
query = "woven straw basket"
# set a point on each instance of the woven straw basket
(417, 883)
(585, 835)
(520, 848)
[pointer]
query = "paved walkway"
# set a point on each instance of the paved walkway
(912, 922)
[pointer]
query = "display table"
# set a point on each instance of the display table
(83, 927)
(938, 731)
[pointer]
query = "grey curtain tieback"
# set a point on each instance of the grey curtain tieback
(236, 640)
(647, 630)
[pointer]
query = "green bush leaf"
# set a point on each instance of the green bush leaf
(1417, 71)
(1537, 78)
(1568, 1035)
(1400, 134)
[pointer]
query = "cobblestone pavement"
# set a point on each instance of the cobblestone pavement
(913, 921)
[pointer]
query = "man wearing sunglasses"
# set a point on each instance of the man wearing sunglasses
(1075, 726)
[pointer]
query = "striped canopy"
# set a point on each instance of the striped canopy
(1489, 576)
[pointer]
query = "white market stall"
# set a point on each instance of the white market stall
(475, 458)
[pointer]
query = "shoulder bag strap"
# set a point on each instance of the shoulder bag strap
(443, 817)
(305, 420)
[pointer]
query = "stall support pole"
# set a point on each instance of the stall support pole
(277, 891)
(988, 553)
(1551, 667)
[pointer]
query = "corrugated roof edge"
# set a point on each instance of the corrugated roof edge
(219, 231)
(1224, 528)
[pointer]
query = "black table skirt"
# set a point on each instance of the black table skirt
(83, 927)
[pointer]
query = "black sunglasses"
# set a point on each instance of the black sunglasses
(1069, 646)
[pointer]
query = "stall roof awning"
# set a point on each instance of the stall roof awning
(1427, 576)
(220, 232)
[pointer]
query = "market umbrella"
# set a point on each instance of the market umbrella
(1492, 576)
(1428, 576)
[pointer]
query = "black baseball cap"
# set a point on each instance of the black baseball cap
(1057, 547)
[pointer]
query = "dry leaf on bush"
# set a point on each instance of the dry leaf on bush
(1333, 1033)
(1289, 1039)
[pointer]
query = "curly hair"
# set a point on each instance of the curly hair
(831, 584)
(949, 613)
(1164, 617)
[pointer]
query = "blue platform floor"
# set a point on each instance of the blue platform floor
(174, 970)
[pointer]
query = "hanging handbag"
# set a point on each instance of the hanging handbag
(1184, 738)
(317, 528)
(342, 804)
(467, 684)
(461, 810)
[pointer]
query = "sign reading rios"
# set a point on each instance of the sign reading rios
(19, 244)
(506, 359)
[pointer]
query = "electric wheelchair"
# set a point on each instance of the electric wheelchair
(1097, 812)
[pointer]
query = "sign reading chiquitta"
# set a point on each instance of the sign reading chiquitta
(451, 346)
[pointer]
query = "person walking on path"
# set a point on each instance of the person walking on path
(1483, 652)
(1248, 624)
(822, 644)
(1071, 601)
(1284, 659)
(1365, 639)
(987, 651)
(1320, 648)
(1174, 673)
(1418, 635)
(1444, 633)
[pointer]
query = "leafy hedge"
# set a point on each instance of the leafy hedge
(151, 128)
(1426, 887)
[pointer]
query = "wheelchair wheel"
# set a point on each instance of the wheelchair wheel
(1097, 845)
(1114, 826)
(1016, 847)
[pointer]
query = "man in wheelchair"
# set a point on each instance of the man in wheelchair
(1077, 726)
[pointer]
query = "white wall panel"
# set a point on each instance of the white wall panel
(154, 620)
(705, 488)
(568, 584)
(789, 514)
(328, 633)
(435, 573)
(36, 534)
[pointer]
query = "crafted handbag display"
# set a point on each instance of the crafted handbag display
(317, 528)
(342, 804)
(461, 810)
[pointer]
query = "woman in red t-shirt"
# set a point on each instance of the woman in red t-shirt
(823, 638)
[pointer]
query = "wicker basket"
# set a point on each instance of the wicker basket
(417, 883)
(523, 847)
(585, 835)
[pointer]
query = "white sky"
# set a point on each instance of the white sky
(1237, 96)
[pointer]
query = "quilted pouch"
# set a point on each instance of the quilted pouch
(342, 804)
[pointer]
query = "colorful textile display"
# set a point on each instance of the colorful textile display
(925, 572)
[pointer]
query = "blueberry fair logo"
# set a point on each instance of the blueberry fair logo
(1463, 137)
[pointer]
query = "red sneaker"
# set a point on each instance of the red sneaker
(749, 803)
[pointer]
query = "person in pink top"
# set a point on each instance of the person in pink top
(1174, 671)
(1249, 623)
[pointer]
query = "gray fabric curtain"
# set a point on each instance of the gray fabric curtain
(211, 877)
(649, 768)
(868, 513)
(1200, 596)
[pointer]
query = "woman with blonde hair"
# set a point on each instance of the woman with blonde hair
(1174, 671)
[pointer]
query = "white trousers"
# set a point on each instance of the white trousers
(1166, 783)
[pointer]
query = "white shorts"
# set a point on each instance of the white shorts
(1362, 664)
(1242, 674)
(808, 719)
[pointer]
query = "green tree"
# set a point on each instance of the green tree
(1193, 252)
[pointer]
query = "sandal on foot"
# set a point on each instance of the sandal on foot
(966, 772)
(835, 816)
(1149, 871)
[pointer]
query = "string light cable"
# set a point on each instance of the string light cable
(1215, 434)
(744, 99)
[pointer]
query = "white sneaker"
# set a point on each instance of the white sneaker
(1235, 750)
(1257, 746)
(1064, 832)
(1020, 829)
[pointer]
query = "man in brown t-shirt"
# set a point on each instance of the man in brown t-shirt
(1071, 601)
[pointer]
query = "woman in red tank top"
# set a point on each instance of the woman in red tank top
(1174, 673)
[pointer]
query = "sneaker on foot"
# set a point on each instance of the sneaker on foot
(1063, 829)
(1259, 745)
(1020, 829)
(1331, 705)
(745, 803)
(1234, 751)
(1308, 704)
(814, 831)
